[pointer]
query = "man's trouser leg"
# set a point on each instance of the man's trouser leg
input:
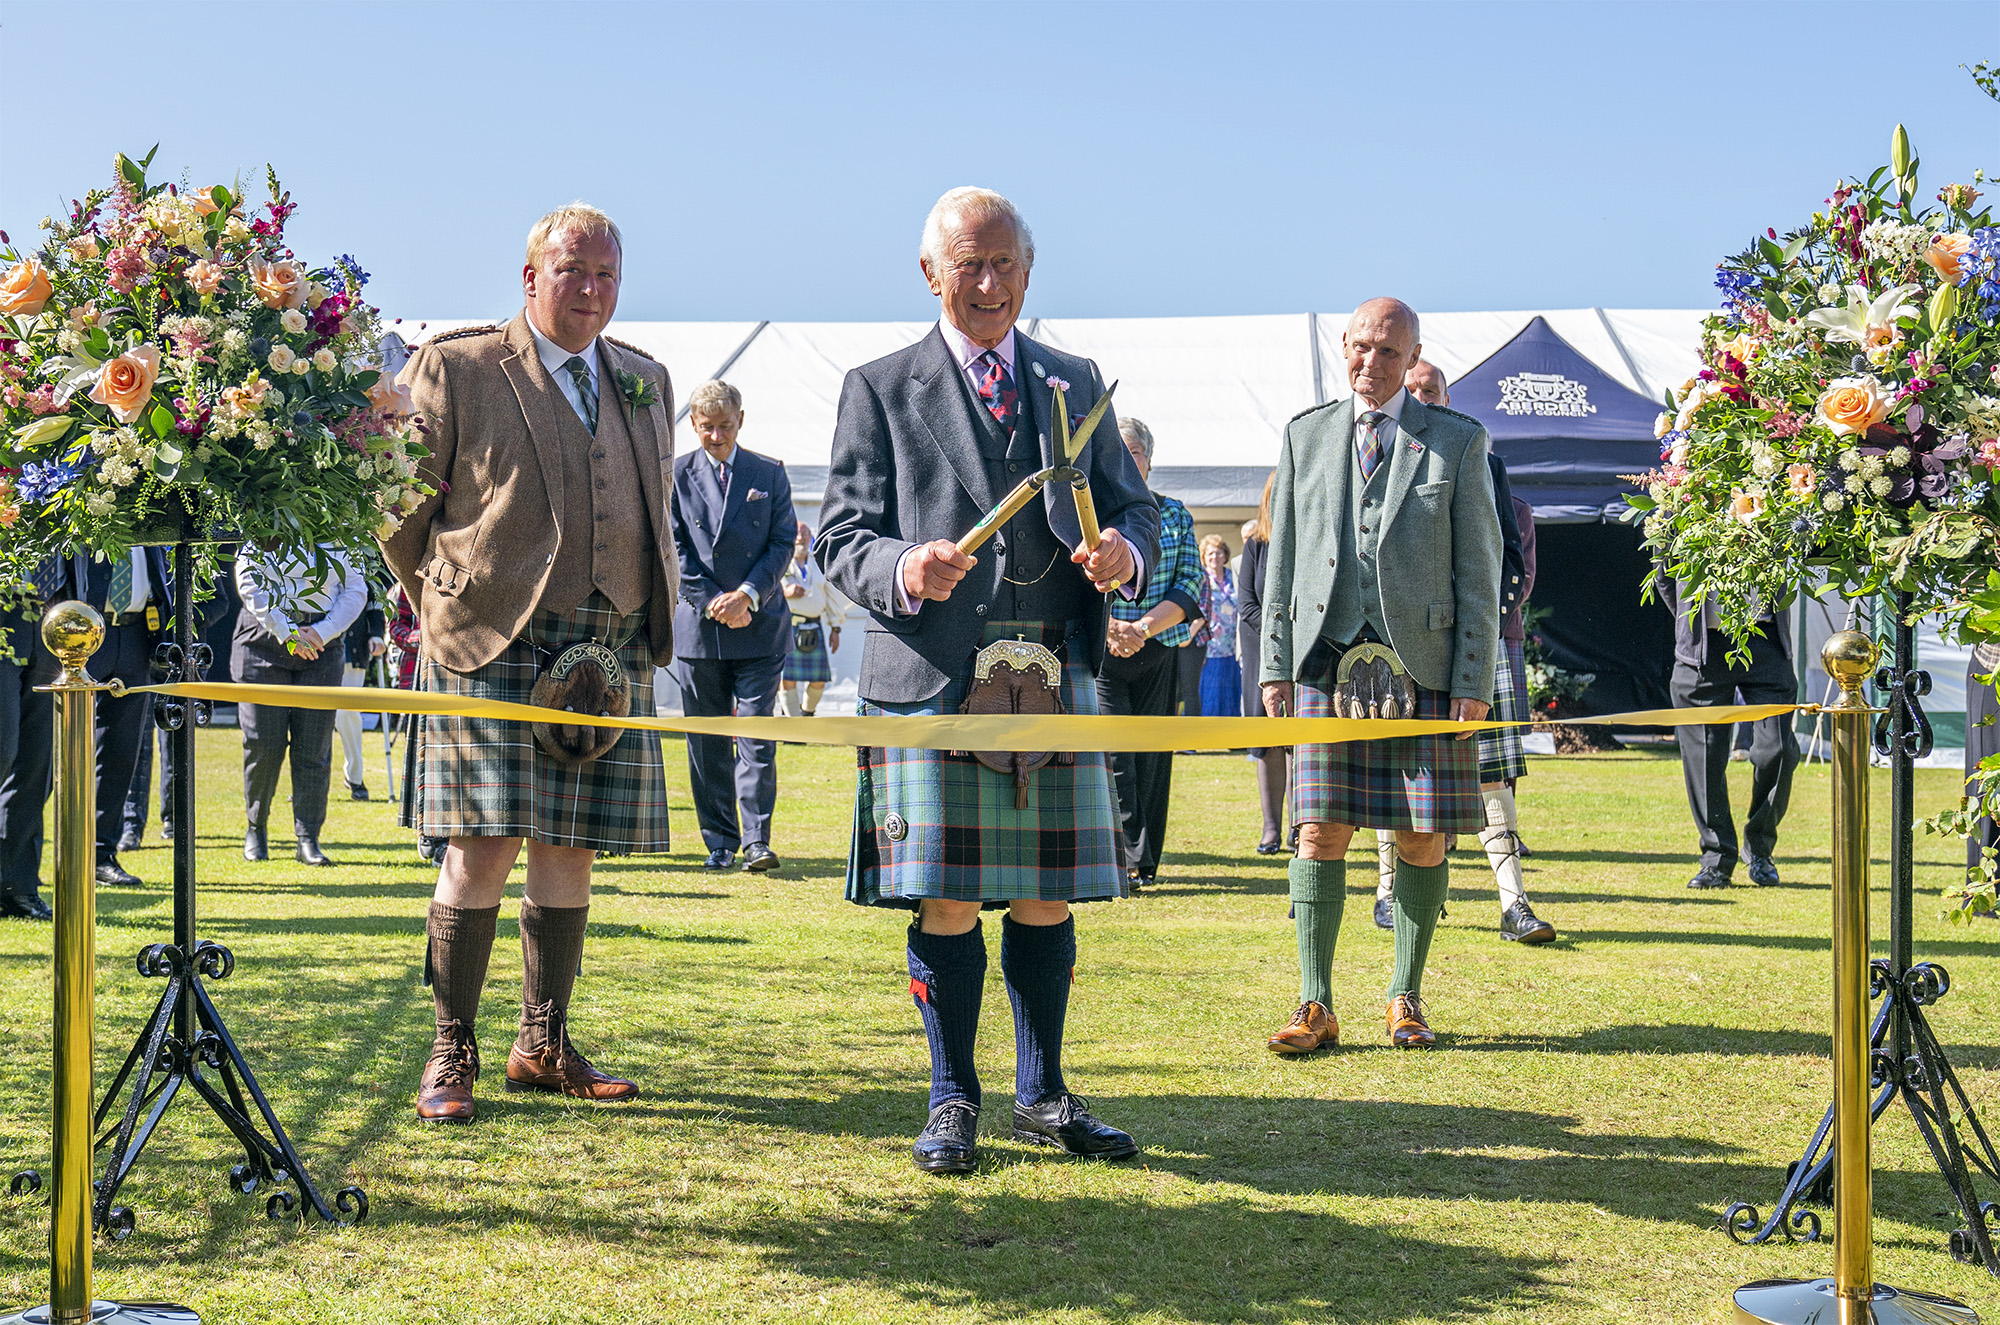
(1705, 764)
(708, 691)
(348, 723)
(1155, 692)
(1774, 750)
(755, 686)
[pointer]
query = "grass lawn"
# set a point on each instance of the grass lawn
(1561, 1157)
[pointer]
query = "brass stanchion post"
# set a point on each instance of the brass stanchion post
(73, 631)
(1852, 1293)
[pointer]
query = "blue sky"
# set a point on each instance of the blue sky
(776, 160)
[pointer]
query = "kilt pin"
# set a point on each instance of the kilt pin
(928, 440)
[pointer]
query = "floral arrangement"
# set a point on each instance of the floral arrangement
(1551, 689)
(167, 364)
(1846, 421)
(1844, 430)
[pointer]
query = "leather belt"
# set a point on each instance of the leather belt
(124, 618)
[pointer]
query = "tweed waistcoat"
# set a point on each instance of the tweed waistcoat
(1356, 601)
(609, 543)
(1038, 582)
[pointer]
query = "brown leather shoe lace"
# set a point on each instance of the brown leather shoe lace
(454, 1056)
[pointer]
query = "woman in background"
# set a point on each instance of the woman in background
(1274, 764)
(817, 609)
(1221, 678)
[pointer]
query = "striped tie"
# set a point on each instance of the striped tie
(586, 389)
(1368, 446)
(119, 600)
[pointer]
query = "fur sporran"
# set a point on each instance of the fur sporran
(1370, 681)
(1014, 676)
(584, 679)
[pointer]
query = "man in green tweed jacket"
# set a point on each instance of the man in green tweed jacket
(1383, 530)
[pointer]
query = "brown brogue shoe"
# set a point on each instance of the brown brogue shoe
(543, 1059)
(1311, 1027)
(444, 1094)
(1407, 1027)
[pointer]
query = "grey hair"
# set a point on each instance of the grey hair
(713, 396)
(970, 204)
(1136, 433)
(579, 218)
(1400, 311)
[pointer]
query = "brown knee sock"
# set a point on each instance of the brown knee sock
(551, 951)
(461, 941)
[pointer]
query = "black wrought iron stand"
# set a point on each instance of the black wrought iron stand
(186, 1035)
(1906, 1059)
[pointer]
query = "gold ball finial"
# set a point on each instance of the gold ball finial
(1848, 657)
(73, 631)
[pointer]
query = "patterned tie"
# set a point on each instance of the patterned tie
(47, 578)
(996, 390)
(119, 601)
(586, 389)
(1368, 446)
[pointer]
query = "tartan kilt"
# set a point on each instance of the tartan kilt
(809, 666)
(486, 777)
(962, 839)
(1416, 784)
(1502, 758)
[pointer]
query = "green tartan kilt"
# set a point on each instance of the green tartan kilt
(932, 823)
(1502, 756)
(486, 777)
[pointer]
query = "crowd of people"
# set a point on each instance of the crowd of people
(568, 552)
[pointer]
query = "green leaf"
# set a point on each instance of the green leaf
(1792, 249)
(361, 381)
(222, 198)
(1772, 253)
(162, 421)
(1777, 305)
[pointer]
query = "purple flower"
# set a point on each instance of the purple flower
(40, 480)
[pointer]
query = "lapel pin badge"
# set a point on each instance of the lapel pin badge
(1039, 370)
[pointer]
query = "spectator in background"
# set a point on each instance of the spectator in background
(817, 611)
(220, 606)
(1141, 673)
(1274, 763)
(734, 529)
(27, 734)
(1221, 678)
(290, 633)
(1982, 739)
(406, 641)
(363, 644)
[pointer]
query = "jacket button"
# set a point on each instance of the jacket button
(1319, 607)
(979, 610)
(1333, 561)
(1470, 656)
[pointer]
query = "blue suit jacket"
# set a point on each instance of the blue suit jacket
(751, 544)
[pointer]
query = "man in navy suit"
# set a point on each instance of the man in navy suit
(734, 526)
(134, 592)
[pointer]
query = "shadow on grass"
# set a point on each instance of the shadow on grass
(1879, 947)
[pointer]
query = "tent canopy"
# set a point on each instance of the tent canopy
(1566, 428)
(1216, 391)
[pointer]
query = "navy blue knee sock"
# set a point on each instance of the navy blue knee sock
(947, 976)
(1037, 962)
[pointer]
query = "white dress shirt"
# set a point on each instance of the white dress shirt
(275, 594)
(820, 602)
(1393, 407)
(553, 358)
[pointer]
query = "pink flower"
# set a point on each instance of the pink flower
(1800, 479)
(42, 400)
(123, 267)
(1746, 506)
(1989, 452)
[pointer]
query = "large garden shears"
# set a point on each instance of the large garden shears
(1071, 445)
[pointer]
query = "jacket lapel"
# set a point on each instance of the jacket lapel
(740, 474)
(1039, 401)
(943, 413)
(1337, 457)
(1405, 458)
(540, 398)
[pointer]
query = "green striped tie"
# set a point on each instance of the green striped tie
(119, 600)
(586, 389)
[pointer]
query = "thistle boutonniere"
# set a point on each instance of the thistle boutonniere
(639, 394)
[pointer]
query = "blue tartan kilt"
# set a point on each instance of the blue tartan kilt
(1502, 758)
(809, 666)
(1415, 784)
(935, 823)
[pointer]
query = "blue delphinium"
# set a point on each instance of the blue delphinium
(351, 270)
(40, 480)
(1738, 287)
(1981, 264)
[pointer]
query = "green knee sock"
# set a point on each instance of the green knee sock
(1420, 893)
(1319, 894)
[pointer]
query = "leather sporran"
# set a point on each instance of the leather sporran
(1370, 681)
(1014, 676)
(585, 679)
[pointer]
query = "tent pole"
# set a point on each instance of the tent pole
(727, 364)
(1312, 342)
(1638, 382)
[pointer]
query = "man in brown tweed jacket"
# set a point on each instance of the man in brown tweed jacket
(552, 453)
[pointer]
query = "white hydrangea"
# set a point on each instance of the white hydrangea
(1899, 457)
(1894, 244)
(1763, 463)
(1881, 486)
(1833, 501)
(118, 471)
(1831, 295)
(1871, 467)
(100, 504)
(67, 340)
(1854, 484)
(1850, 459)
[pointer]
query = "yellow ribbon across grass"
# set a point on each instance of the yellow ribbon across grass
(1072, 732)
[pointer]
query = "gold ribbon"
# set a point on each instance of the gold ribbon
(1070, 732)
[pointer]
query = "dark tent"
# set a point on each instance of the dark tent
(1566, 431)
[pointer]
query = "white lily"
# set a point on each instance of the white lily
(1864, 322)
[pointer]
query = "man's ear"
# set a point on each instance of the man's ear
(528, 279)
(924, 265)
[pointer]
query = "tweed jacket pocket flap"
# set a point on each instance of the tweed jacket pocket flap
(445, 577)
(1443, 616)
(1432, 494)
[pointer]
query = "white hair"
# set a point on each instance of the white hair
(1135, 433)
(970, 204)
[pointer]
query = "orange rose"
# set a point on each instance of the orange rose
(126, 383)
(1741, 348)
(279, 284)
(243, 401)
(25, 288)
(1746, 506)
(389, 397)
(1945, 253)
(204, 203)
(205, 276)
(1852, 405)
(1800, 479)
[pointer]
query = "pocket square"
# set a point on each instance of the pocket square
(755, 494)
